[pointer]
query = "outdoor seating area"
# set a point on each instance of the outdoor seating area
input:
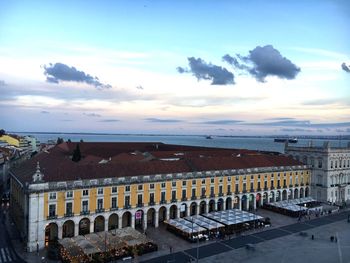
(105, 246)
(216, 224)
(294, 207)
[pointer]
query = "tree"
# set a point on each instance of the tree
(2, 132)
(76, 154)
(59, 140)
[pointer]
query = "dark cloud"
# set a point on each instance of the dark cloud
(58, 72)
(264, 61)
(92, 115)
(282, 123)
(110, 120)
(345, 67)
(221, 122)
(295, 130)
(207, 71)
(302, 123)
(45, 112)
(162, 120)
(280, 119)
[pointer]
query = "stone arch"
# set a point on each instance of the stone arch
(113, 221)
(272, 196)
(151, 217)
(236, 202)
(211, 206)
(202, 207)
(126, 219)
(301, 192)
(68, 229)
(265, 198)
(51, 233)
(290, 194)
(251, 201)
(278, 195)
(99, 224)
(258, 200)
(139, 216)
(296, 193)
(183, 210)
(244, 202)
(228, 203)
(84, 226)
(173, 211)
(193, 209)
(162, 214)
(284, 195)
(307, 192)
(220, 204)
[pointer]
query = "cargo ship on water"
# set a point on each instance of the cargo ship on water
(289, 140)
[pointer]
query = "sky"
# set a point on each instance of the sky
(176, 67)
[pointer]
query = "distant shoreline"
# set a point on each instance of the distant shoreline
(324, 137)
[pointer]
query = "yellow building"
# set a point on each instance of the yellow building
(10, 139)
(115, 185)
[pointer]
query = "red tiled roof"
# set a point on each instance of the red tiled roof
(57, 165)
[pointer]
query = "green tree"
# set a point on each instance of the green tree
(76, 154)
(59, 140)
(2, 132)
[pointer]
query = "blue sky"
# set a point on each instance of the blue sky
(157, 66)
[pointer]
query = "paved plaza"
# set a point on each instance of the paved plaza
(280, 243)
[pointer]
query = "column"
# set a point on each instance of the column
(133, 220)
(76, 229)
(247, 203)
(144, 222)
(274, 196)
(60, 232)
(167, 214)
(120, 221)
(240, 203)
(106, 224)
(178, 212)
(197, 209)
(254, 202)
(91, 226)
(156, 220)
(216, 205)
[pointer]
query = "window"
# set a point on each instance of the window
(236, 188)
(139, 199)
(114, 189)
(52, 210)
(52, 196)
(220, 180)
(244, 187)
(203, 181)
(220, 189)
(251, 186)
(228, 189)
(203, 191)
(69, 194)
(151, 198)
(99, 204)
(162, 196)
(173, 195)
(114, 202)
(193, 192)
(212, 180)
(100, 191)
(184, 183)
(127, 201)
(127, 188)
(85, 192)
(320, 163)
(173, 183)
(259, 185)
(151, 186)
(85, 205)
(272, 184)
(212, 190)
(194, 182)
(229, 178)
(69, 208)
(331, 164)
(265, 184)
(163, 185)
(184, 193)
(140, 187)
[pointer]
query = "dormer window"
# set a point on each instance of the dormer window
(52, 196)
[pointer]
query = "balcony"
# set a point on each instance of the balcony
(308, 183)
(296, 185)
(320, 185)
(113, 209)
(290, 185)
(193, 198)
(99, 210)
(162, 202)
(212, 195)
(229, 193)
(244, 191)
(174, 200)
(203, 196)
(221, 194)
(266, 189)
(151, 203)
(139, 205)
(86, 212)
(70, 214)
(51, 217)
(302, 184)
(127, 206)
(236, 192)
(251, 190)
(272, 187)
(278, 187)
(184, 199)
(285, 186)
(258, 189)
